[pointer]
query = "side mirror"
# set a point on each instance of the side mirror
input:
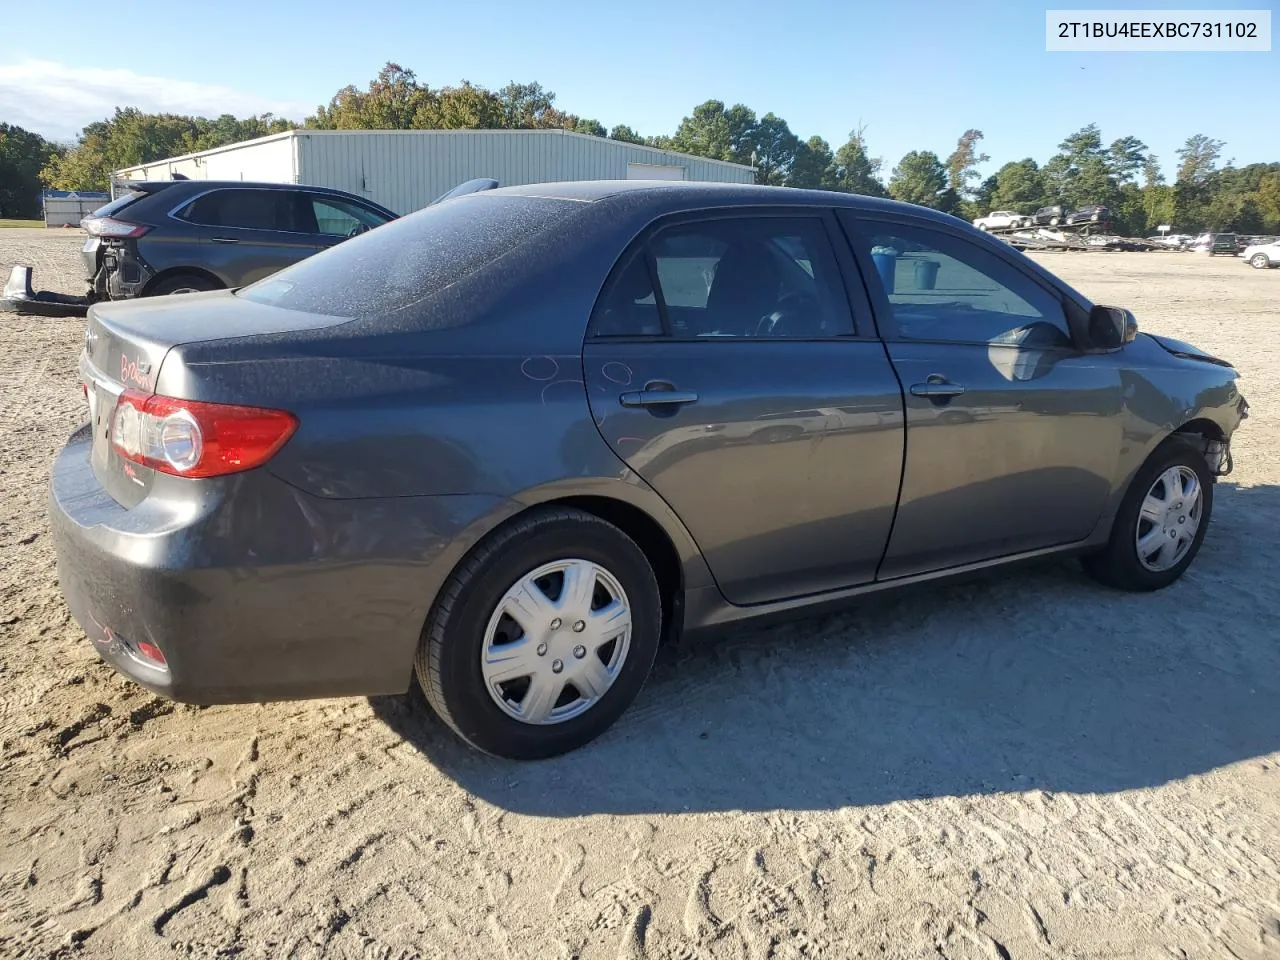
(1110, 328)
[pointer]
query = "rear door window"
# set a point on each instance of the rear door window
(730, 277)
(245, 210)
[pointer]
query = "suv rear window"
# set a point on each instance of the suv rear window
(118, 204)
(245, 210)
(410, 259)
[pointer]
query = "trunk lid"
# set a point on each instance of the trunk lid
(126, 344)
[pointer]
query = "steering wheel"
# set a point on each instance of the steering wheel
(795, 314)
(358, 229)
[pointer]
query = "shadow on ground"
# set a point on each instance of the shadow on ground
(1032, 679)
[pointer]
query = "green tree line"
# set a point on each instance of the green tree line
(1124, 174)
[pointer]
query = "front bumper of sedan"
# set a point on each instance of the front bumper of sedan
(248, 589)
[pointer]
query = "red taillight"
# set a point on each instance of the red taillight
(188, 438)
(151, 652)
(111, 227)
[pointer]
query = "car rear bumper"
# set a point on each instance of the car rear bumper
(252, 589)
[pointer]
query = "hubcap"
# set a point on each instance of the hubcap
(556, 642)
(1169, 519)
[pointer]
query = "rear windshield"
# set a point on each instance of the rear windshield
(118, 204)
(409, 259)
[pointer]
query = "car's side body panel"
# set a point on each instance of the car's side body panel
(786, 468)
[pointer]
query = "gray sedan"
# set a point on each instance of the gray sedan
(512, 443)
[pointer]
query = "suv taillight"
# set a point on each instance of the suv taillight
(189, 438)
(110, 227)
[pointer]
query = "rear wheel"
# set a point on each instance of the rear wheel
(543, 636)
(183, 283)
(1161, 522)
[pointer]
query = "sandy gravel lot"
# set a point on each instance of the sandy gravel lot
(1027, 766)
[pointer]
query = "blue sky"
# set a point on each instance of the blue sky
(916, 74)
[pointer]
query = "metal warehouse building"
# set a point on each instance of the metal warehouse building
(405, 170)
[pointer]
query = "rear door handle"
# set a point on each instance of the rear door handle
(225, 239)
(936, 387)
(657, 398)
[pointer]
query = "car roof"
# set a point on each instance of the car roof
(701, 194)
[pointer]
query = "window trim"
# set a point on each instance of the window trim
(858, 307)
(859, 224)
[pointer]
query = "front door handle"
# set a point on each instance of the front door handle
(225, 239)
(936, 387)
(654, 395)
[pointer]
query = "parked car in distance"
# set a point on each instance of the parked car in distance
(1001, 219)
(512, 442)
(1049, 216)
(1262, 255)
(184, 236)
(1223, 243)
(1093, 213)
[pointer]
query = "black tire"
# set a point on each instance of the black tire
(448, 660)
(1118, 565)
(1259, 261)
(183, 283)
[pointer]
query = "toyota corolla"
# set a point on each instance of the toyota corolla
(513, 442)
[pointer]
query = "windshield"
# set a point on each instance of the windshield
(410, 259)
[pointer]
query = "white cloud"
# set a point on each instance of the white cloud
(57, 100)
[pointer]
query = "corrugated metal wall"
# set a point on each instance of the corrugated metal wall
(406, 170)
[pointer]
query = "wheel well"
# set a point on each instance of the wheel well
(182, 272)
(653, 540)
(1211, 442)
(1205, 429)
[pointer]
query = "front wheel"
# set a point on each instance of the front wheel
(1161, 522)
(1259, 261)
(543, 636)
